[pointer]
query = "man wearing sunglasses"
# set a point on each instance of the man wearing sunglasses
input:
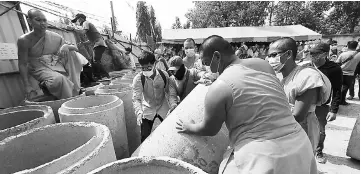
(305, 86)
(319, 57)
(153, 95)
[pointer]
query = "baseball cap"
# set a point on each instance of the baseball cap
(320, 48)
(77, 16)
(175, 63)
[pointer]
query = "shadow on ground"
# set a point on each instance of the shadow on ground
(349, 110)
(336, 160)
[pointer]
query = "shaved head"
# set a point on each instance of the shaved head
(216, 43)
(285, 44)
(34, 12)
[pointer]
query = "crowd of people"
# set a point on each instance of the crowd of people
(274, 125)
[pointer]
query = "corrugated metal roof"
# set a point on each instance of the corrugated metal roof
(241, 34)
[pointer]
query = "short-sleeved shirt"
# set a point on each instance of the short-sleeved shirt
(349, 67)
(93, 34)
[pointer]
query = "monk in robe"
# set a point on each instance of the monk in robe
(45, 56)
(249, 99)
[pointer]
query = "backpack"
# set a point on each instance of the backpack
(142, 78)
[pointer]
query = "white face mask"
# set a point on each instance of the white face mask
(147, 73)
(190, 52)
(275, 62)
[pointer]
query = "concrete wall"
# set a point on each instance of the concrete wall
(65, 148)
(148, 165)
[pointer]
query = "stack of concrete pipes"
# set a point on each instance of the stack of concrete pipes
(97, 130)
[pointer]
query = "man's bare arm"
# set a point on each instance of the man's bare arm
(23, 61)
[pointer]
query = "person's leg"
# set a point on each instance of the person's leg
(99, 70)
(321, 113)
(351, 90)
(346, 83)
(145, 129)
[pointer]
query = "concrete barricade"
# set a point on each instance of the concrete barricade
(20, 119)
(48, 101)
(67, 148)
(124, 92)
(203, 152)
(103, 109)
(353, 149)
(148, 165)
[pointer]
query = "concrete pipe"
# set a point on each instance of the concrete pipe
(49, 101)
(20, 119)
(115, 74)
(148, 165)
(103, 109)
(353, 149)
(203, 152)
(124, 92)
(67, 148)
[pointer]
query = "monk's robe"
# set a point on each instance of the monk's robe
(301, 79)
(61, 75)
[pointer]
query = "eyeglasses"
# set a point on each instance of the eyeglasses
(172, 71)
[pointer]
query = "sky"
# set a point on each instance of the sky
(125, 11)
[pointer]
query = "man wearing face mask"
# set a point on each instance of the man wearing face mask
(160, 63)
(192, 59)
(95, 38)
(249, 99)
(153, 95)
(184, 79)
(305, 86)
(333, 72)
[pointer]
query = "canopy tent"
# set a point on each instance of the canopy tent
(241, 34)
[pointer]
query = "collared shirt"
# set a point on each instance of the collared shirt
(349, 67)
(153, 98)
(93, 34)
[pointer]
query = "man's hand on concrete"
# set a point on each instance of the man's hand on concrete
(331, 116)
(139, 119)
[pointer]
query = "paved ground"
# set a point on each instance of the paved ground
(338, 134)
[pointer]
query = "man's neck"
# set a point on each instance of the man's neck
(288, 69)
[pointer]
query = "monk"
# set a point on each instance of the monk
(249, 98)
(45, 56)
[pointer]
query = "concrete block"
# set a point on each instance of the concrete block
(353, 149)
(48, 101)
(103, 109)
(116, 74)
(66, 148)
(148, 165)
(203, 152)
(124, 92)
(16, 120)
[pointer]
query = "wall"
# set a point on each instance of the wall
(11, 88)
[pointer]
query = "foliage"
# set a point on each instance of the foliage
(177, 24)
(344, 16)
(147, 23)
(227, 13)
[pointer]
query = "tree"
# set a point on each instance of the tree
(177, 24)
(228, 13)
(143, 21)
(345, 17)
(158, 32)
(187, 25)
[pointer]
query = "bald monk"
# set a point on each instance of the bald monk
(45, 56)
(249, 98)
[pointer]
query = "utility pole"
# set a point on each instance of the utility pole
(113, 19)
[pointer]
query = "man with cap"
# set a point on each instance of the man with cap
(129, 56)
(324, 112)
(183, 79)
(97, 40)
